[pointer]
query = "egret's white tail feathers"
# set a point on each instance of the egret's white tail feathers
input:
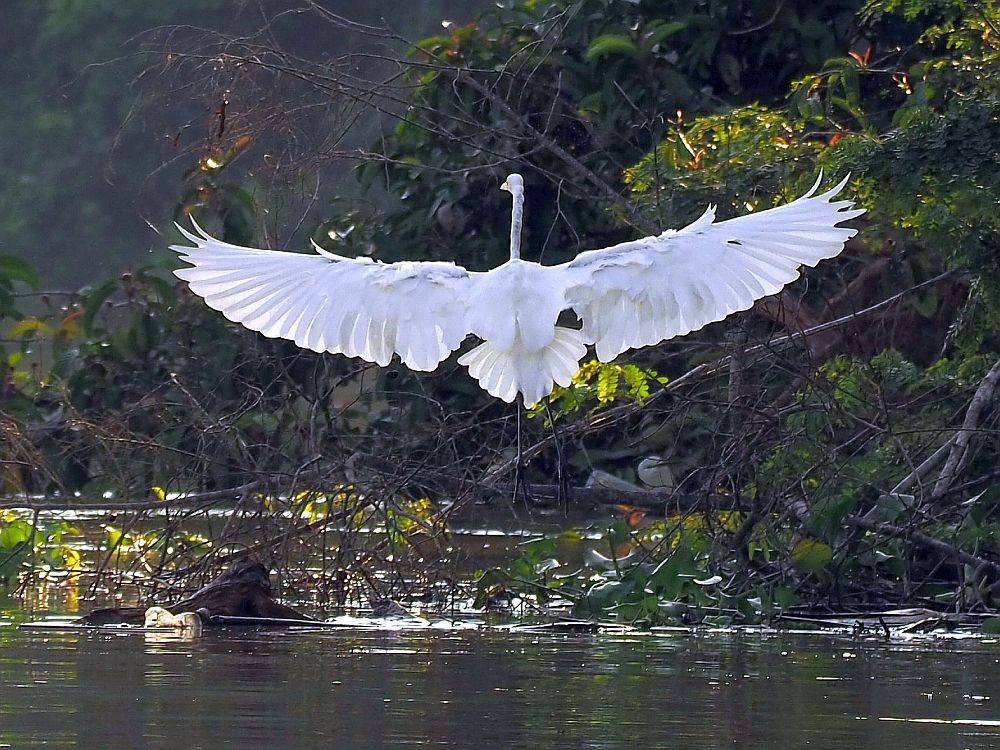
(506, 372)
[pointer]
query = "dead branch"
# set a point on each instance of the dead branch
(947, 551)
(960, 452)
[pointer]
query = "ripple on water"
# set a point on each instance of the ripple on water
(362, 688)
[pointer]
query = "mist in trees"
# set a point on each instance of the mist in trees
(98, 131)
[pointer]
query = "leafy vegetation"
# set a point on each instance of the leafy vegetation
(27, 547)
(836, 447)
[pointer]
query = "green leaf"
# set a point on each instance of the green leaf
(852, 86)
(544, 566)
(163, 288)
(991, 626)
(784, 597)
(607, 594)
(590, 103)
(607, 383)
(432, 44)
(811, 556)
(489, 581)
(16, 269)
(14, 533)
(93, 301)
(660, 30)
(926, 303)
(7, 303)
(611, 45)
(113, 536)
(29, 326)
(984, 505)
(828, 512)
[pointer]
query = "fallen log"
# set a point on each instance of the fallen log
(242, 591)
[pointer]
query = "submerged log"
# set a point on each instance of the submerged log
(242, 591)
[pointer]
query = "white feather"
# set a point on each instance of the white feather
(325, 302)
(702, 273)
(519, 369)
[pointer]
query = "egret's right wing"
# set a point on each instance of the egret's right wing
(642, 292)
(328, 303)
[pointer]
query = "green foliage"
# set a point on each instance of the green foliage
(13, 270)
(937, 181)
(798, 454)
(42, 548)
(921, 403)
(662, 573)
(552, 92)
(598, 384)
(139, 371)
(154, 547)
(918, 131)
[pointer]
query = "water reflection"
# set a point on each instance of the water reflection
(461, 689)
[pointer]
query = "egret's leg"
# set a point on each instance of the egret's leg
(562, 480)
(520, 482)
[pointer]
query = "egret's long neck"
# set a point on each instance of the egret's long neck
(517, 211)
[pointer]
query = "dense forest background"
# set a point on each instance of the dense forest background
(836, 444)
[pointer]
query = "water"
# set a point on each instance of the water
(469, 689)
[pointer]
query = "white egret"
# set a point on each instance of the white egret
(629, 295)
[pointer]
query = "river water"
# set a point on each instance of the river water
(489, 689)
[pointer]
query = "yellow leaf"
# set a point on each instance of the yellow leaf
(29, 325)
(71, 558)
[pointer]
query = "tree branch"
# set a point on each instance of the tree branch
(960, 445)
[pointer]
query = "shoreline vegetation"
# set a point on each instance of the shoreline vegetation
(832, 450)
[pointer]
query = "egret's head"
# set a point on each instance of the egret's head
(514, 184)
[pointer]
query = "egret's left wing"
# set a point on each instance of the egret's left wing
(642, 292)
(325, 302)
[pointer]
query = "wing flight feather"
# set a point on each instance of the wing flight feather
(642, 292)
(329, 303)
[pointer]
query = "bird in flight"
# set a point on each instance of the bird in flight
(628, 295)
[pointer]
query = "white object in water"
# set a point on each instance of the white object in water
(629, 295)
(186, 622)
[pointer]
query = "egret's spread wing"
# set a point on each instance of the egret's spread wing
(325, 302)
(642, 292)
